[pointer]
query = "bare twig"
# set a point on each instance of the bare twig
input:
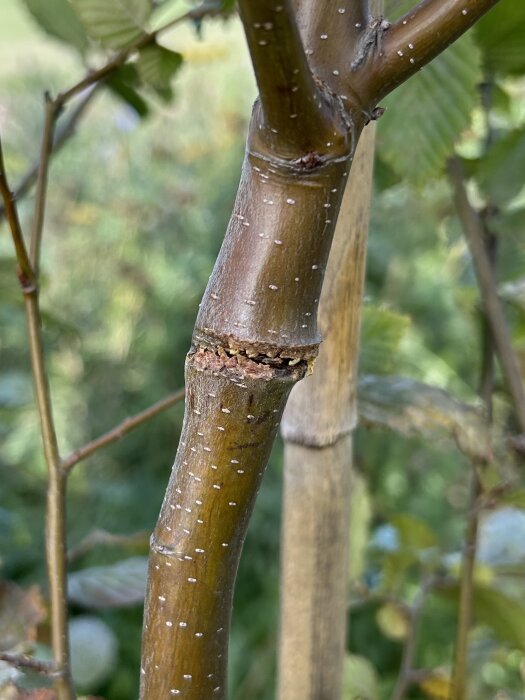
(126, 426)
(27, 662)
(474, 231)
(25, 271)
(98, 538)
(406, 672)
(51, 114)
(486, 388)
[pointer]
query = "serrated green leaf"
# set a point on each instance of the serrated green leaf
(114, 586)
(115, 23)
(381, 333)
(497, 173)
(500, 35)
(360, 679)
(415, 408)
(58, 19)
(427, 114)
(156, 66)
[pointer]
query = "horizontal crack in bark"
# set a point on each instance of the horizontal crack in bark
(247, 363)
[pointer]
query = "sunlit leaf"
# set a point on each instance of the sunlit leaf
(360, 679)
(114, 586)
(58, 19)
(381, 333)
(413, 533)
(426, 115)
(414, 408)
(393, 621)
(115, 23)
(437, 685)
(500, 35)
(157, 66)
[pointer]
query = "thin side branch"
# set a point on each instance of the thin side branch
(25, 271)
(126, 426)
(296, 114)
(474, 231)
(51, 112)
(103, 538)
(406, 672)
(414, 40)
(27, 662)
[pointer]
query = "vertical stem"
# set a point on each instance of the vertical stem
(474, 233)
(41, 183)
(317, 428)
(56, 489)
(486, 387)
(56, 505)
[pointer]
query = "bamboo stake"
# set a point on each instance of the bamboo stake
(317, 428)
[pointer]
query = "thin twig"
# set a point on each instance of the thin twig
(406, 672)
(25, 272)
(486, 389)
(51, 112)
(198, 13)
(474, 231)
(126, 426)
(27, 662)
(104, 538)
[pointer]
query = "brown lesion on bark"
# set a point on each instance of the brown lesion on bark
(243, 363)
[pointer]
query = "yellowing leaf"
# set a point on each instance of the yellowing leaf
(437, 686)
(392, 621)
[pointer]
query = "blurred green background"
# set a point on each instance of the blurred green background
(136, 212)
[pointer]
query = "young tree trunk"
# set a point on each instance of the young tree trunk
(256, 332)
(317, 427)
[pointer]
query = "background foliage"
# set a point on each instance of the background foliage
(138, 204)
